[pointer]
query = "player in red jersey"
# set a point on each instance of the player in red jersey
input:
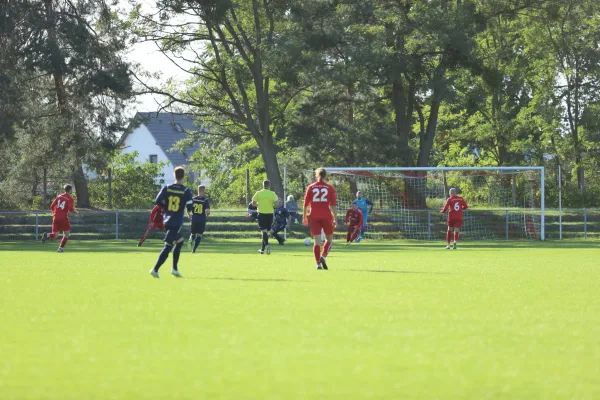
(61, 207)
(321, 199)
(156, 221)
(456, 205)
(355, 217)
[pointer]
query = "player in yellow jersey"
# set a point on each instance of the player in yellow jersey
(265, 200)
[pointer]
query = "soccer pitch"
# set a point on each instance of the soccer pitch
(389, 320)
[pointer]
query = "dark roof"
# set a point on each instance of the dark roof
(167, 129)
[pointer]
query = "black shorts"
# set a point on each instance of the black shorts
(173, 234)
(198, 227)
(265, 221)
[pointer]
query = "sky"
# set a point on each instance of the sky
(153, 61)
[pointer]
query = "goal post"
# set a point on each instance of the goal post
(504, 202)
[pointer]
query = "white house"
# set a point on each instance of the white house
(155, 137)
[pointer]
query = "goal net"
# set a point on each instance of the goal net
(504, 202)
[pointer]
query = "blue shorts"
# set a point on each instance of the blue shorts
(173, 234)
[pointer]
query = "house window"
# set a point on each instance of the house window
(153, 158)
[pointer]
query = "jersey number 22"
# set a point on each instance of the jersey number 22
(320, 195)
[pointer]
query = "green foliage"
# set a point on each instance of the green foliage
(66, 75)
(134, 184)
(224, 163)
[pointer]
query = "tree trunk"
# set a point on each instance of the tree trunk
(580, 171)
(426, 142)
(269, 156)
(514, 189)
(81, 188)
(402, 125)
(353, 187)
(45, 195)
(81, 184)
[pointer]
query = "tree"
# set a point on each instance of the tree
(236, 55)
(78, 45)
(134, 184)
(565, 34)
(490, 115)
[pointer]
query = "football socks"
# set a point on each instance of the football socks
(162, 257)
(176, 253)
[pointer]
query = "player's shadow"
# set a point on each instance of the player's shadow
(76, 246)
(397, 271)
(255, 280)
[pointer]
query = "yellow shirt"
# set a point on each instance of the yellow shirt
(266, 201)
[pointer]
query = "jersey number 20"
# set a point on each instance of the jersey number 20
(173, 203)
(320, 195)
(198, 208)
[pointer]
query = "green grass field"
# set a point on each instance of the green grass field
(396, 320)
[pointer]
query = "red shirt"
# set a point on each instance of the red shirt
(354, 216)
(319, 196)
(62, 206)
(156, 215)
(456, 205)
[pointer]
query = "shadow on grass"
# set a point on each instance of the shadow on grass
(254, 280)
(130, 246)
(398, 272)
(229, 246)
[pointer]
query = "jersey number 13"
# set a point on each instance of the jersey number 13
(174, 203)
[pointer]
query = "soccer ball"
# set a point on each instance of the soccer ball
(307, 242)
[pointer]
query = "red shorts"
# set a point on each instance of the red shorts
(352, 227)
(455, 223)
(155, 225)
(317, 224)
(60, 224)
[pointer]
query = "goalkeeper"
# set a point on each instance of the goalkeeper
(281, 220)
(363, 205)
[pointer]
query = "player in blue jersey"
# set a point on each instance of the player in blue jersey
(363, 205)
(174, 198)
(199, 214)
(281, 220)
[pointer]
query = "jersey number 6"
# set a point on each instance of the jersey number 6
(456, 206)
(323, 192)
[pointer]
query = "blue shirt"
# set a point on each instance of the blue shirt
(201, 204)
(363, 205)
(174, 199)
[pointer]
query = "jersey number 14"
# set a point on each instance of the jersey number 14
(61, 204)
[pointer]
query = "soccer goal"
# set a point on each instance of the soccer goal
(504, 202)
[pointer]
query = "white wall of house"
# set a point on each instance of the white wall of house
(142, 141)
